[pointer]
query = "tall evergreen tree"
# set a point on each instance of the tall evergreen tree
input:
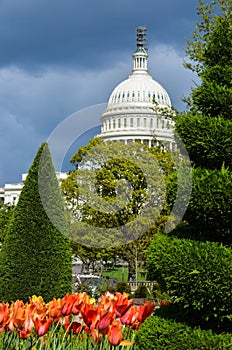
(36, 255)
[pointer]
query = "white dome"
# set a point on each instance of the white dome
(131, 114)
(138, 90)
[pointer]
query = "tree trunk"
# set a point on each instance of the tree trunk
(131, 270)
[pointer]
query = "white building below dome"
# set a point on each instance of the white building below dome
(136, 107)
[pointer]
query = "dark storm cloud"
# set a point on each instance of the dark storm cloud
(59, 56)
(80, 33)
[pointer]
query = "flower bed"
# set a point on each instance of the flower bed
(74, 322)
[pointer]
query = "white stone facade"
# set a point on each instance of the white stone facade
(9, 194)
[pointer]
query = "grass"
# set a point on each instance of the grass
(121, 274)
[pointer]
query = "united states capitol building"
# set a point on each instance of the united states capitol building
(136, 112)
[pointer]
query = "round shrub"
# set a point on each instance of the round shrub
(197, 273)
(122, 287)
(160, 334)
(141, 292)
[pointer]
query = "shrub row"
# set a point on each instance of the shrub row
(160, 334)
(197, 273)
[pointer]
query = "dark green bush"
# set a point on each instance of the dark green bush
(35, 255)
(160, 334)
(206, 149)
(122, 287)
(210, 204)
(211, 199)
(197, 273)
(141, 292)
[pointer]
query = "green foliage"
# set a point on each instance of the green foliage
(105, 211)
(197, 273)
(141, 292)
(160, 334)
(210, 205)
(122, 287)
(207, 140)
(6, 214)
(35, 256)
(214, 96)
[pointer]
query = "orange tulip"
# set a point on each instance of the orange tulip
(17, 315)
(164, 303)
(73, 303)
(54, 309)
(42, 326)
(122, 304)
(131, 316)
(105, 319)
(145, 310)
(115, 333)
(4, 315)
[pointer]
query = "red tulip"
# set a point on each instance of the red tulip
(164, 303)
(42, 326)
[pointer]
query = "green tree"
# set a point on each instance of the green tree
(106, 214)
(188, 269)
(211, 58)
(35, 255)
(6, 213)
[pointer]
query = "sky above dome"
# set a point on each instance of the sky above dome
(58, 57)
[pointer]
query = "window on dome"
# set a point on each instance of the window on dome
(119, 123)
(138, 122)
(133, 94)
(114, 124)
(131, 122)
(149, 95)
(123, 95)
(145, 122)
(128, 94)
(124, 122)
(151, 123)
(162, 124)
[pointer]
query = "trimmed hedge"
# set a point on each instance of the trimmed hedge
(160, 334)
(198, 273)
(36, 256)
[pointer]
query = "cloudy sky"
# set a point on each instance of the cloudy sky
(60, 56)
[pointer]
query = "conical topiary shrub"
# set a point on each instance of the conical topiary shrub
(36, 255)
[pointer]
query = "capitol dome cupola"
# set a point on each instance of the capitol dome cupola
(140, 56)
(130, 114)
